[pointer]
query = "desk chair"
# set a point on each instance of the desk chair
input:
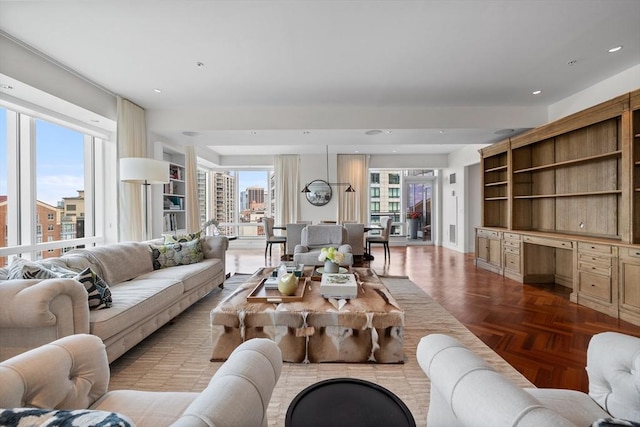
(383, 238)
(270, 237)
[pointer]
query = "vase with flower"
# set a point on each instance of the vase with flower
(331, 258)
(414, 220)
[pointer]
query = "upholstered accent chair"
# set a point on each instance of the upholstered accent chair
(294, 232)
(466, 391)
(315, 237)
(73, 373)
(383, 238)
(356, 238)
(270, 237)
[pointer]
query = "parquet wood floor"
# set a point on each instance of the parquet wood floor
(533, 327)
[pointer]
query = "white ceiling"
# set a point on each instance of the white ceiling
(295, 76)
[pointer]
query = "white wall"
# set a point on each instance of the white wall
(619, 84)
(455, 200)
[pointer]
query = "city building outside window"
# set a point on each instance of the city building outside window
(394, 178)
(375, 178)
(56, 162)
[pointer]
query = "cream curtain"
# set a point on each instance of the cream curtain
(287, 170)
(191, 180)
(353, 169)
(132, 142)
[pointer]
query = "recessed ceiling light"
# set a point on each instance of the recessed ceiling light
(389, 131)
(393, 151)
(190, 133)
(504, 131)
(156, 90)
(441, 131)
(94, 120)
(373, 132)
(6, 86)
(615, 49)
(306, 132)
(253, 132)
(536, 92)
(200, 64)
(572, 62)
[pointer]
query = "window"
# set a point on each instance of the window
(375, 207)
(56, 165)
(375, 192)
(394, 207)
(375, 178)
(239, 199)
(394, 178)
(394, 193)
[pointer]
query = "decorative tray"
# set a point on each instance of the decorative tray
(261, 294)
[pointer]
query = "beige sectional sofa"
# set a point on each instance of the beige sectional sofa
(34, 312)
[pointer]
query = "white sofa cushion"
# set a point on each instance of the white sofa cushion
(134, 301)
(192, 275)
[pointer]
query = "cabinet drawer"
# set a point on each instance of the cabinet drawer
(511, 236)
(630, 253)
(596, 286)
(512, 262)
(508, 250)
(491, 234)
(593, 247)
(595, 269)
(509, 244)
(594, 259)
(566, 244)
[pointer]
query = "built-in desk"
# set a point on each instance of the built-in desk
(602, 274)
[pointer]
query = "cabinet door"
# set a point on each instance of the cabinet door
(495, 252)
(630, 285)
(482, 248)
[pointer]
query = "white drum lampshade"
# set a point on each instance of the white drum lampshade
(142, 170)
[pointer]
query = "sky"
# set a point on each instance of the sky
(59, 161)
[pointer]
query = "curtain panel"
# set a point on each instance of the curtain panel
(287, 171)
(191, 196)
(353, 169)
(131, 135)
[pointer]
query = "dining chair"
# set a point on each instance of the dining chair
(270, 237)
(383, 238)
(294, 230)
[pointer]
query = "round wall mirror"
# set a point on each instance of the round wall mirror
(319, 192)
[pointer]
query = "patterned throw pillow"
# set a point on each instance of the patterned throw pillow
(24, 269)
(34, 417)
(98, 290)
(182, 238)
(174, 254)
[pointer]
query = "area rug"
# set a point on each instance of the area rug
(176, 357)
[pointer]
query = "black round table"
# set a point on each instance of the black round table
(349, 402)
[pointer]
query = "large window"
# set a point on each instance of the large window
(46, 187)
(239, 199)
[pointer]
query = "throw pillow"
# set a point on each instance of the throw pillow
(33, 417)
(181, 238)
(64, 273)
(614, 422)
(24, 269)
(174, 254)
(98, 290)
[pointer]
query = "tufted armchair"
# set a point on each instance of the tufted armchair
(73, 373)
(466, 391)
(315, 237)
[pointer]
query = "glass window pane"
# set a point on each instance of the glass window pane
(224, 200)
(59, 183)
(254, 201)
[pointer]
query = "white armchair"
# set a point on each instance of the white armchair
(73, 373)
(315, 237)
(466, 391)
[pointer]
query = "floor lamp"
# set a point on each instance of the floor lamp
(144, 171)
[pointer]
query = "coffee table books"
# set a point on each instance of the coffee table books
(339, 286)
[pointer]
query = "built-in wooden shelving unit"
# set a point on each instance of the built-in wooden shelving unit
(561, 204)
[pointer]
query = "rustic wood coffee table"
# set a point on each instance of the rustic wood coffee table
(311, 328)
